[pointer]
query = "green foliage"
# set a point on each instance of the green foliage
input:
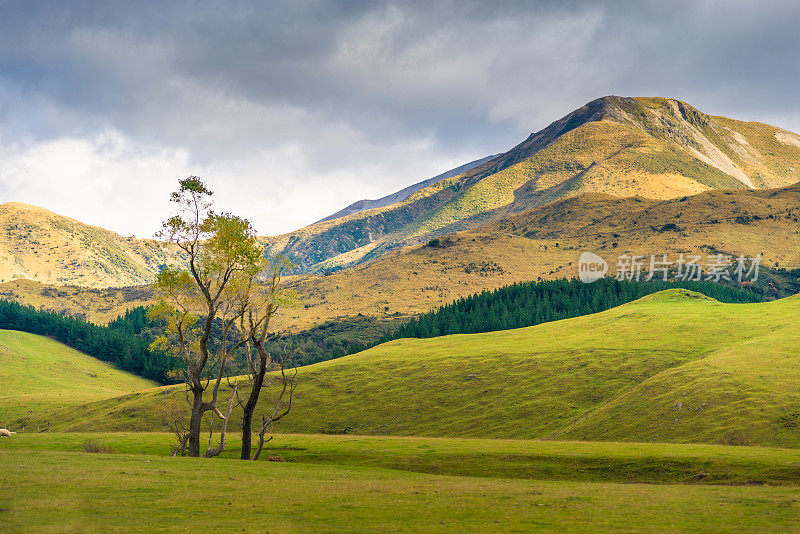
(333, 339)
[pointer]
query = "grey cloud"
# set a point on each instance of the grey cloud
(394, 69)
(341, 83)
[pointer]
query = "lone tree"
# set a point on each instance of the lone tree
(226, 289)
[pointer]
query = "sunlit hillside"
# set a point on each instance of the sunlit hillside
(651, 147)
(37, 244)
(37, 373)
(674, 366)
(543, 242)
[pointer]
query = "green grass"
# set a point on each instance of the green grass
(341, 484)
(37, 373)
(490, 458)
(666, 368)
(671, 367)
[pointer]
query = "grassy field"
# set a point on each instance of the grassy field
(358, 484)
(672, 367)
(652, 463)
(37, 373)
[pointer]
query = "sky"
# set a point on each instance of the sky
(292, 110)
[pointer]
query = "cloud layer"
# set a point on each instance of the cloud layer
(291, 110)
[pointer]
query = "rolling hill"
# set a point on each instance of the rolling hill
(675, 366)
(37, 244)
(37, 373)
(656, 148)
(543, 242)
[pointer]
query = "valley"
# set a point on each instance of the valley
(399, 267)
(674, 397)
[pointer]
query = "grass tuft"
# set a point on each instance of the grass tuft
(97, 447)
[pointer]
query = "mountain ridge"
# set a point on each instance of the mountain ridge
(541, 243)
(649, 147)
(399, 196)
(625, 146)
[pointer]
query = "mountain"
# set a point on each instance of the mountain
(652, 148)
(399, 196)
(543, 242)
(38, 244)
(656, 148)
(656, 369)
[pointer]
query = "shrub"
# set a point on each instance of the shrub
(670, 227)
(96, 447)
(736, 438)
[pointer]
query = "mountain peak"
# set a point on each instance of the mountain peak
(622, 109)
(653, 147)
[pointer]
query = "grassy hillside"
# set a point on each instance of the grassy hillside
(674, 366)
(650, 147)
(37, 373)
(37, 244)
(99, 305)
(543, 242)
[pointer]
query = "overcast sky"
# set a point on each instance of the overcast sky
(292, 110)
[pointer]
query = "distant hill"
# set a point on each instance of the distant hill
(37, 244)
(657, 148)
(675, 366)
(399, 196)
(543, 242)
(653, 148)
(37, 373)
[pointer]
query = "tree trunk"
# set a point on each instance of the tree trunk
(249, 408)
(247, 433)
(212, 452)
(194, 424)
(261, 442)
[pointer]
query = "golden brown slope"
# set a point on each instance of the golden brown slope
(40, 245)
(544, 242)
(653, 147)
